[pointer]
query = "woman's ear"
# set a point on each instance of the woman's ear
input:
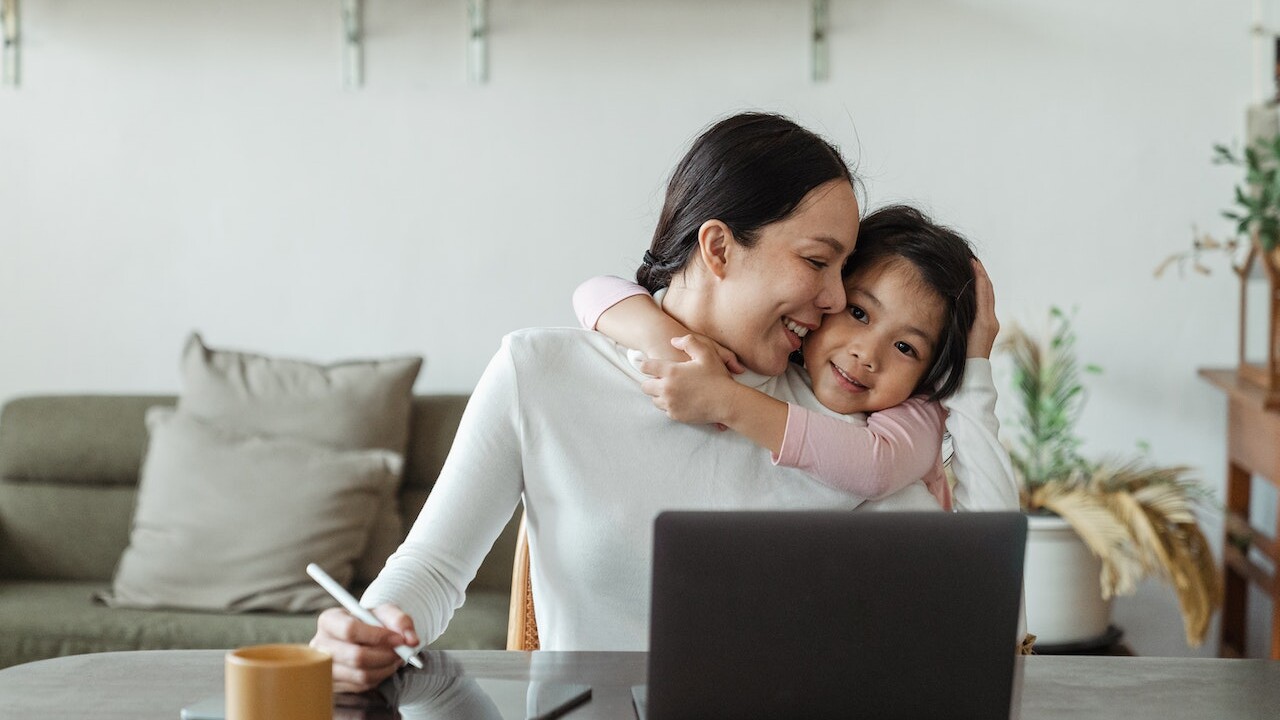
(715, 240)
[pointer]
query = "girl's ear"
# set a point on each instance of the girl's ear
(715, 240)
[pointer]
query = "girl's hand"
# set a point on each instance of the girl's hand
(694, 391)
(727, 356)
(982, 337)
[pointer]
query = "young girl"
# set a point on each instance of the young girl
(899, 349)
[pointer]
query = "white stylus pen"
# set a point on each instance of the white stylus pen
(340, 594)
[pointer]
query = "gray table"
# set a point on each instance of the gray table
(157, 684)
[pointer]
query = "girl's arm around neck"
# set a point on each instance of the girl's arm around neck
(626, 313)
(759, 417)
(597, 294)
(898, 446)
(702, 391)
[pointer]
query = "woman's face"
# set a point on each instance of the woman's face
(779, 289)
(873, 356)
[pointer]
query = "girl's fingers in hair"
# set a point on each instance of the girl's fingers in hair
(982, 288)
(986, 326)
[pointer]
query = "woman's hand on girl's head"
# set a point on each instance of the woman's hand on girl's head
(982, 337)
(696, 390)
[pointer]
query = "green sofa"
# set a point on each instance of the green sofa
(68, 481)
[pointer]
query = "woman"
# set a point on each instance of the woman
(766, 215)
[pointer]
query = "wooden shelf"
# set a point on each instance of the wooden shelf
(1253, 449)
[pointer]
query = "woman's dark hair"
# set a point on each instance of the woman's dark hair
(942, 257)
(746, 171)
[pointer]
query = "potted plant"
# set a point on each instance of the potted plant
(1096, 527)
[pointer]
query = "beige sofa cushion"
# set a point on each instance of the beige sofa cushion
(348, 405)
(228, 521)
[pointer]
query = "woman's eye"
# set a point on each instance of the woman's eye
(858, 313)
(905, 349)
(817, 264)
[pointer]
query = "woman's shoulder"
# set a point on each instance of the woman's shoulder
(548, 334)
(565, 349)
(533, 338)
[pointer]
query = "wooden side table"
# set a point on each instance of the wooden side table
(1253, 448)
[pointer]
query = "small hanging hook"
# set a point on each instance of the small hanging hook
(353, 43)
(478, 46)
(9, 25)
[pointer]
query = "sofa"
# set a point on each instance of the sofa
(69, 470)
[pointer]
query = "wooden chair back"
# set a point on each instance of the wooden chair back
(522, 626)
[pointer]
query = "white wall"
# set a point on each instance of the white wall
(168, 166)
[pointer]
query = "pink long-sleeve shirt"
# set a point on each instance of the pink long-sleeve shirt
(871, 456)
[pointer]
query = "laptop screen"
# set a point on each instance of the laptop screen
(834, 614)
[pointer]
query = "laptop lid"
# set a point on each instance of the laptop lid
(834, 614)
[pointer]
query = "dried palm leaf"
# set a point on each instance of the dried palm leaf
(1197, 583)
(1156, 508)
(1105, 535)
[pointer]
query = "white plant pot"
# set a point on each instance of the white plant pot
(1064, 592)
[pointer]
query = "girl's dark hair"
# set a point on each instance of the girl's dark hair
(746, 171)
(942, 257)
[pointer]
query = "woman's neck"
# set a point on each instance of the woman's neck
(690, 305)
(694, 312)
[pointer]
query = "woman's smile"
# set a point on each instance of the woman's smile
(795, 332)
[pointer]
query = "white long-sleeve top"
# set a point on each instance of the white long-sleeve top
(556, 418)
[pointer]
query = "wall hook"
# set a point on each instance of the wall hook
(9, 25)
(478, 45)
(352, 43)
(821, 58)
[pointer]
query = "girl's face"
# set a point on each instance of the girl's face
(788, 280)
(872, 357)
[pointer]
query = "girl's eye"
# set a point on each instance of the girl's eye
(858, 313)
(817, 264)
(905, 349)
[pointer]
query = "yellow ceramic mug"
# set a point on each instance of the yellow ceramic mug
(279, 682)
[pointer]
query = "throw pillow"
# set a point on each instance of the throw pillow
(228, 521)
(349, 405)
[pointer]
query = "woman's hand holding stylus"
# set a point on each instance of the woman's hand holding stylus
(363, 655)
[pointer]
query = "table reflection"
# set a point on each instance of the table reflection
(418, 695)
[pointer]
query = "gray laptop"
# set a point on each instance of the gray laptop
(834, 615)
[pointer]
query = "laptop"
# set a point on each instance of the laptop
(834, 615)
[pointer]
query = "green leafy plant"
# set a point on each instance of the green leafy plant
(1050, 397)
(1255, 210)
(1136, 517)
(1257, 200)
